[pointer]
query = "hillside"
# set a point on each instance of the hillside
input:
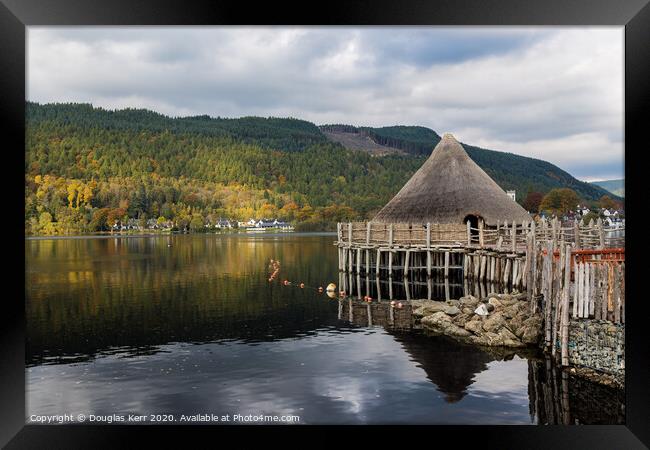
(86, 168)
(510, 171)
(616, 187)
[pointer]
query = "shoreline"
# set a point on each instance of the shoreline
(108, 235)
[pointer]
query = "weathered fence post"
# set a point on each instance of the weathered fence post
(469, 234)
(565, 306)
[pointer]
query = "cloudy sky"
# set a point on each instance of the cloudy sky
(553, 93)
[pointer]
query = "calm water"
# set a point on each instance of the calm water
(190, 324)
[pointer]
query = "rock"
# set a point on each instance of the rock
(494, 302)
(510, 311)
(452, 311)
(515, 324)
(453, 302)
(494, 322)
(440, 322)
(461, 319)
(475, 326)
(531, 330)
(489, 307)
(468, 311)
(469, 300)
(481, 310)
(429, 308)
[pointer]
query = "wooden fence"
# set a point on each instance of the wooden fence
(504, 236)
(597, 290)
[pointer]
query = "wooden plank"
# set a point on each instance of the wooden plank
(407, 258)
(565, 306)
(587, 289)
(469, 234)
(428, 234)
(446, 264)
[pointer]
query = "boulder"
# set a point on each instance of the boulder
(494, 302)
(475, 326)
(469, 300)
(453, 302)
(468, 311)
(429, 308)
(494, 322)
(440, 322)
(489, 307)
(452, 311)
(461, 319)
(531, 330)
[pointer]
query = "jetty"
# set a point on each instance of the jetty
(452, 224)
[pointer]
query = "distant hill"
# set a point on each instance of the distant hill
(616, 187)
(510, 171)
(87, 168)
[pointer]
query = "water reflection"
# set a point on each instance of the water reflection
(132, 325)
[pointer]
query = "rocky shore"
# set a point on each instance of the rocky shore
(498, 320)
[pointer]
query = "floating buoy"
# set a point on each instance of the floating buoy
(392, 303)
(331, 287)
(302, 285)
(270, 280)
(399, 305)
(320, 289)
(285, 282)
(369, 299)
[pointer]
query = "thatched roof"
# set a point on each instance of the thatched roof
(448, 187)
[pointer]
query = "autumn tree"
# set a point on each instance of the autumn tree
(607, 202)
(532, 201)
(559, 201)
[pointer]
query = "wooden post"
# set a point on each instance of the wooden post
(513, 233)
(565, 306)
(407, 257)
(481, 240)
(469, 234)
(601, 233)
(350, 233)
(428, 235)
(446, 265)
(338, 232)
(390, 263)
(587, 289)
(390, 236)
(429, 264)
(576, 232)
(377, 265)
(368, 233)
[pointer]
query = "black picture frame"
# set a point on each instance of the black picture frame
(16, 15)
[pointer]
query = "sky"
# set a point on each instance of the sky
(553, 93)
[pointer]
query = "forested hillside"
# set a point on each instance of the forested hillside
(87, 168)
(510, 171)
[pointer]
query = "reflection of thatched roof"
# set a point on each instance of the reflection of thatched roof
(448, 187)
(450, 365)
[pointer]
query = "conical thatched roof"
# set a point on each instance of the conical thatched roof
(448, 187)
